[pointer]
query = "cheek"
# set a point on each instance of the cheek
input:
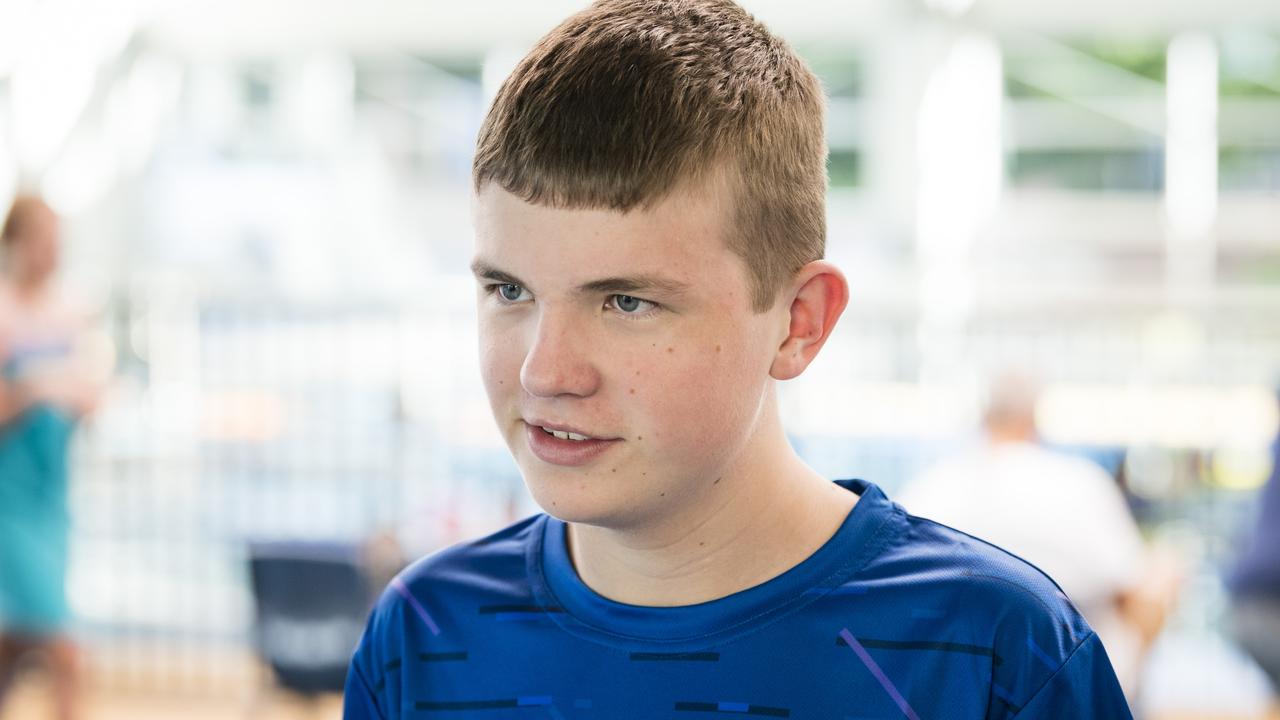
(698, 399)
(501, 357)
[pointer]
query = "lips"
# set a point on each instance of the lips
(557, 444)
(566, 434)
(563, 430)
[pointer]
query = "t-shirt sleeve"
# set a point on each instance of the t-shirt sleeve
(358, 700)
(362, 698)
(1084, 688)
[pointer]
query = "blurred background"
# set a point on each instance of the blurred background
(265, 206)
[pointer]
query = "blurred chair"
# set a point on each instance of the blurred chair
(311, 601)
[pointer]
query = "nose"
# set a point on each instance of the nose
(559, 362)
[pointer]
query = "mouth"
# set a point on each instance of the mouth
(563, 432)
(560, 445)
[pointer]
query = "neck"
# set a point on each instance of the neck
(769, 513)
(1006, 435)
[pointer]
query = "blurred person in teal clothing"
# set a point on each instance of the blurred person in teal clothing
(46, 386)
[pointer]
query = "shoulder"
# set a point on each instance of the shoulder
(433, 603)
(938, 558)
(992, 598)
(495, 557)
(72, 306)
(1066, 462)
(64, 310)
(447, 589)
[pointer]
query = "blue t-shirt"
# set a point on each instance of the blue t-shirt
(895, 616)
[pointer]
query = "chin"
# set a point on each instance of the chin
(582, 499)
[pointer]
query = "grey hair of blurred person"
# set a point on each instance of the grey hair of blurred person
(1010, 407)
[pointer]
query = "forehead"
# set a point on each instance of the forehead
(682, 237)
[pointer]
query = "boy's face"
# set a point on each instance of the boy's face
(635, 330)
(36, 248)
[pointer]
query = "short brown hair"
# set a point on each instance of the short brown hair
(626, 100)
(18, 216)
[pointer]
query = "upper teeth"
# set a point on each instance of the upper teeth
(566, 435)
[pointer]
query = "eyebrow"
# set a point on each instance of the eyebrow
(620, 285)
(485, 271)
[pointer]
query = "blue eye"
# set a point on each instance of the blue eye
(626, 303)
(633, 306)
(510, 292)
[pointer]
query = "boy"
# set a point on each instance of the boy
(649, 233)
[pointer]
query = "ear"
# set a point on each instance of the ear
(819, 295)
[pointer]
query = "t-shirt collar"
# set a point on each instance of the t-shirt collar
(582, 611)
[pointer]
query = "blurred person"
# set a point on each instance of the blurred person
(1062, 513)
(45, 386)
(1255, 585)
(649, 189)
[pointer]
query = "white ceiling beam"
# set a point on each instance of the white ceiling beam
(254, 27)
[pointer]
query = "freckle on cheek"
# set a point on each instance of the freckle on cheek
(717, 348)
(633, 391)
(671, 349)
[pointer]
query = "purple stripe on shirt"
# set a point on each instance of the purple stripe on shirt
(1041, 655)
(399, 585)
(885, 682)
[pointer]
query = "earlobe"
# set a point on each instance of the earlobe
(820, 297)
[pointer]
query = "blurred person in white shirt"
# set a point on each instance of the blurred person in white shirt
(1060, 512)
